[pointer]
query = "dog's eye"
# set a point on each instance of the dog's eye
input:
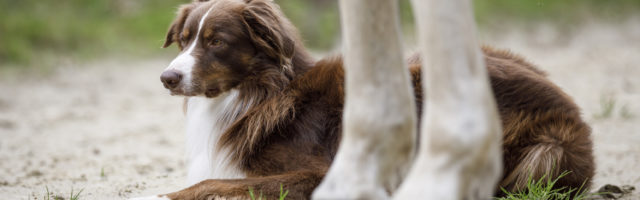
(216, 43)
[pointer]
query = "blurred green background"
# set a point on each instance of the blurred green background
(42, 32)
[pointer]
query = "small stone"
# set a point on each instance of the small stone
(6, 124)
(35, 173)
(627, 189)
(611, 191)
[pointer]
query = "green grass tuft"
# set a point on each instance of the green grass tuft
(544, 189)
(75, 196)
(607, 106)
(282, 196)
(253, 196)
(48, 194)
(72, 196)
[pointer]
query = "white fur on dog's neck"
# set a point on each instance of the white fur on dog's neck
(207, 118)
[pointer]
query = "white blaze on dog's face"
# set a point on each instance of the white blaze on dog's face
(182, 66)
(224, 43)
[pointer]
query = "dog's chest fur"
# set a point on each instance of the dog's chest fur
(206, 121)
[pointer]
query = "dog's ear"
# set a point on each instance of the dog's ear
(173, 35)
(268, 30)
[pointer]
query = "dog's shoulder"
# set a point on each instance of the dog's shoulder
(323, 81)
(502, 60)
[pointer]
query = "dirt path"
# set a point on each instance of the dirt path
(111, 130)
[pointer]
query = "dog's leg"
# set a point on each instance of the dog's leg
(298, 185)
(379, 113)
(459, 156)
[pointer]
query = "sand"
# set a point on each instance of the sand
(109, 128)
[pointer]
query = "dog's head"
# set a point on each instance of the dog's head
(227, 43)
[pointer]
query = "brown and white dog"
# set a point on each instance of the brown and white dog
(262, 113)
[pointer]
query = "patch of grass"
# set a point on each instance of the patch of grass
(75, 196)
(610, 107)
(48, 194)
(282, 196)
(253, 196)
(318, 21)
(544, 189)
(607, 106)
(72, 196)
(36, 33)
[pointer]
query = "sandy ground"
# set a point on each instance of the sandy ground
(110, 129)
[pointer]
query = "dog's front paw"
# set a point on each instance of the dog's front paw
(156, 197)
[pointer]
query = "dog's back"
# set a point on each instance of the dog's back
(544, 135)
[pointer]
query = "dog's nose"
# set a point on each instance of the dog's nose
(171, 78)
